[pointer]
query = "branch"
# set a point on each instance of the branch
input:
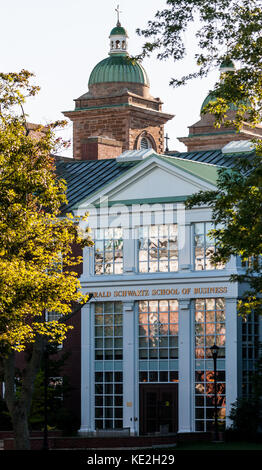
(67, 317)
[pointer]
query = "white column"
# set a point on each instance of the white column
(233, 355)
(185, 388)
(130, 379)
(87, 370)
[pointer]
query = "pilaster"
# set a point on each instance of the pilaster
(185, 368)
(233, 355)
(130, 379)
(87, 370)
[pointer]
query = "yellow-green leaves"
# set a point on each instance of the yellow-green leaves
(36, 244)
(225, 30)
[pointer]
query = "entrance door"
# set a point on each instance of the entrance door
(158, 408)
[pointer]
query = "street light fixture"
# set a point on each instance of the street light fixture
(214, 350)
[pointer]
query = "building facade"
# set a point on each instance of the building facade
(158, 303)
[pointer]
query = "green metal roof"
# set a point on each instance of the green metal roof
(118, 68)
(204, 171)
(85, 178)
(214, 157)
(118, 31)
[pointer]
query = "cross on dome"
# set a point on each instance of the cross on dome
(118, 15)
(118, 37)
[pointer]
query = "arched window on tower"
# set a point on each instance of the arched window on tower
(145, 144)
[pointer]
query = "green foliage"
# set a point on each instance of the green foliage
(236, 210)
(246, 413)
(58, 416)
(228, 29)
(36, 247)
(33, 235)
(245, 416)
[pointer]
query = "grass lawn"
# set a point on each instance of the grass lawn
(218, 446)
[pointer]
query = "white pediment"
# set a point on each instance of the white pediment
(155, 183)
(151, 179)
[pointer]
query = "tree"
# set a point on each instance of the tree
(228, 30)
(236, 212)
(36, 247)
(246, 412)
(58, 393)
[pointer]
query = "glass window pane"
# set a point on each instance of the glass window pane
(108, 319)
(98, 307)
(199, 228)
(158, 249)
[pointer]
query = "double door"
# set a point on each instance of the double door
(158, 408)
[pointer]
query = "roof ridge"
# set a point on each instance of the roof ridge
(191, 161)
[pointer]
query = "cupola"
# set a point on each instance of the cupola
(117, 113)
(118, 40)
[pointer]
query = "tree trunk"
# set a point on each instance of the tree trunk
(20, 427)
(19, 404)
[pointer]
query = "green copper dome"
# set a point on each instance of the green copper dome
(118, 68)
(118, 31)
(226, 65)
(212, 97)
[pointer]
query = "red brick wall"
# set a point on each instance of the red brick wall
(120, 124)
(121, 117)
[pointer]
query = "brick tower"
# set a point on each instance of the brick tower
(204, 136)
(117, 113)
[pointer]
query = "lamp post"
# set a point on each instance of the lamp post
(214, 350)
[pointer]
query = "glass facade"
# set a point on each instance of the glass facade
(109, 251)
(108, 359)
(204, 247)
(157, 328)
(250, 351)
(158, 352)
(108, 400)
(108, 331)
(158, 249)
(209, 326)
(158, 340)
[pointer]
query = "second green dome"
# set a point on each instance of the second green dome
(212, 97)
(118, 68)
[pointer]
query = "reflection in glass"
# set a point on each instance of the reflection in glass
(204, 247)
(209, 329)
(158, 329)
(109, 333)
(109, 251)
(157, 248)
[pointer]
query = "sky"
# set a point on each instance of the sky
(61, 41)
